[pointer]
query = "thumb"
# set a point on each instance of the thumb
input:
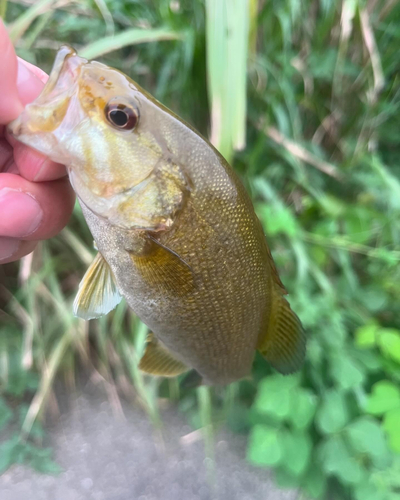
(10, 104)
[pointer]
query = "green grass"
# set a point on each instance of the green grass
(307, 109)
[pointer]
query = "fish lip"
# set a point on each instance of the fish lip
(64, 73)
(62, 81)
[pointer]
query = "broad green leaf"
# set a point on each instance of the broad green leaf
(315, 482)
(346, 372)
(319, 256)
(367, 491)
(391, 424)
(326, 227)
(389, 342)
(8, 452)
(385, 396)
(374, 299)
(332, 415)
(17, 381)
(284, 479)
(274, 396)
(5, 413)
(278, 219)
(46, 465)
(333, 331)
(238, 418)
(336, 459)
(40, 459)
(371, 360)
(265, 446)
(303, 406)
(392, 369)
(334, 207)
(366, 335)
(274, 404)
(297, 448)
(357, 224)
(365, 436)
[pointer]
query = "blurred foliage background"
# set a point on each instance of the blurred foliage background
(303, 98)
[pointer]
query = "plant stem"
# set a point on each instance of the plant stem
(3, 9)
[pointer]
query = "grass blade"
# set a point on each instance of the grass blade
(129, 37)
(3, 8)
(48, 374)
(302, 153)
(18, 27)
(108, 19)
(205, 409)
(227, 33)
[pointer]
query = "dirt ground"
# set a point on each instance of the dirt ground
(108, 458)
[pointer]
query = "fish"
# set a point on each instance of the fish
(176, 231)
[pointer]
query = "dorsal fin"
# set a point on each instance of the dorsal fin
(97, 294)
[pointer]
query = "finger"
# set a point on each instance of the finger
(11, 168)
(28, 84)
(6, 155)
(39, 73)
(12, 249)
(33, 211)
(11, 106)
(36, 167)
(31, 164)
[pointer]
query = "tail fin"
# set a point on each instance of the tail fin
(283, 344)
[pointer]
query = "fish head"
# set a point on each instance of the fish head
(103, 127)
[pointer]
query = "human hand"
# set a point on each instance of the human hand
(36, 199)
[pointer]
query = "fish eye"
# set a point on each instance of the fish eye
(121, 115)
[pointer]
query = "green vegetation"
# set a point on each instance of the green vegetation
(317, 146)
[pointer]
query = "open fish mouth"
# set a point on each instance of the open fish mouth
(64, 74)
(43, 114)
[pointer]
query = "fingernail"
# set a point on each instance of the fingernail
(24, 75)
(28, 84)
(8, 247)
(42, 169)
(20, 213)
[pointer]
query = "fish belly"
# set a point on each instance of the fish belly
(213, 328)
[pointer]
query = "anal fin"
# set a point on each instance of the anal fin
(97, 293)
(158, 360)
(283, 343)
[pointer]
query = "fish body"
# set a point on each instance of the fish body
(177, 234)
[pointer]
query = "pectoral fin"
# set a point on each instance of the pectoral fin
(98, 293)
(283, 344)
(158, 360)
(162, 268)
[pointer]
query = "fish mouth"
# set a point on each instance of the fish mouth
(64, 74)
(43, 114)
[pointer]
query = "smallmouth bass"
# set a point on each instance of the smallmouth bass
(176, 232)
